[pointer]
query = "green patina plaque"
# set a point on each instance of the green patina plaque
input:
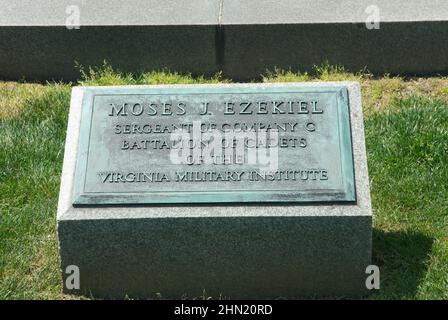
(214, 144)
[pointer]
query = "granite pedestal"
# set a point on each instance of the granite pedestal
(236, 250)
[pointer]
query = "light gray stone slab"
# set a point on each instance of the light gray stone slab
(300, 34)
(239, 251)
(110, 13)
(324, 11)
(132, 36)
(243, 39)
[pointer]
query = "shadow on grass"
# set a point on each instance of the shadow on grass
(402, 259)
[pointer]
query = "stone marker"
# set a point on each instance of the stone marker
(244, 191)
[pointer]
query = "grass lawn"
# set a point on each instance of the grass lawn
(406, 123)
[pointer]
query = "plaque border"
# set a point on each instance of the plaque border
(345, 195)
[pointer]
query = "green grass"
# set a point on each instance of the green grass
(406, 124)
(30, 161)
(407, 151)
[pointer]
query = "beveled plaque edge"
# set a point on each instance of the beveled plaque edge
(348, 196)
